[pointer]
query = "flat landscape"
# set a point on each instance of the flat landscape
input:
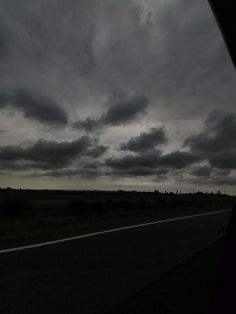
(29, 216)
(97, 273)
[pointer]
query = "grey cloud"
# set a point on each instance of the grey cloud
(141, 172)
(88, 125)
(123, 109)
(34, 107)
(218, 135)
(224, 159)
(223, 172)
(115, 47)
(148, 140)
(178, 159)
(3, 47)
(71, 172)
(152, 162)
(203, 171)
(175, 58)
(45, 154)
(39, 108)
(36, 24)
(87, 169)
(214, 180)
(146, 160)
(4, 99)
(97, 151)
(138, 171)
(4, 38)
(159, 173)
(162, 171)
(219, 181)
(85, 53)
(216, 143)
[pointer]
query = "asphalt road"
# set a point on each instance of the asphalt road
(93, 274)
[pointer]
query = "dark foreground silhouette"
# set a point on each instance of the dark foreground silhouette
(224, 299)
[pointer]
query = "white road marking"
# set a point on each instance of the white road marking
(32, 246)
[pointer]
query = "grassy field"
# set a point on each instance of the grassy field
(32, 215)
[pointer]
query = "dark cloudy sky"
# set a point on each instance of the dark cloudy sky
(107, 94)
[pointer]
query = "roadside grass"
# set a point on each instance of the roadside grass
(29, 216)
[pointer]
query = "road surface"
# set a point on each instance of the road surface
(92, 274)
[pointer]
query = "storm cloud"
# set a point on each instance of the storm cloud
(117, 70)
(147, 140)
(49, 154)
(216, 143)
(218, 135)
(147, 160)
(89, 170)
(124, 109)
(202, 171)
(152, 162)
(34, 107)
(88, 124)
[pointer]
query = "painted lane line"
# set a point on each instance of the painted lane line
(32, 246)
